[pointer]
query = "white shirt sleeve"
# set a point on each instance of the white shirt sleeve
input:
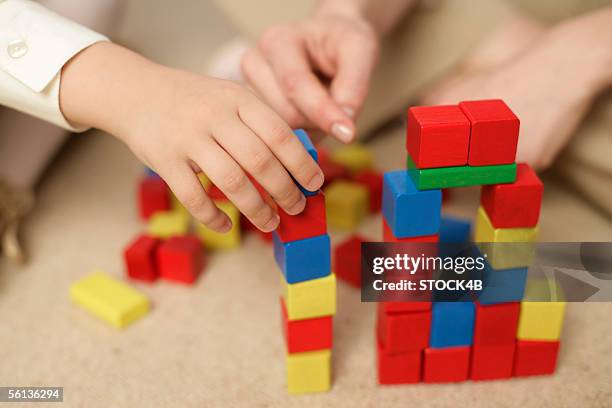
(35, 43)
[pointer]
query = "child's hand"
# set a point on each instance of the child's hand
(179, 123)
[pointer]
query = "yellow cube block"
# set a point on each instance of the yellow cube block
(206, 183)
(541, 319)
(354, 157)
(109, 299)
(177, 206)
(167, 224)
(229, 240)
(347, 204)
(309, 299)
(309, 372)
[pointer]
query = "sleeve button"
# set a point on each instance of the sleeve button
(17, 49)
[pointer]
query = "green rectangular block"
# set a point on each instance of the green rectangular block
(460, 176)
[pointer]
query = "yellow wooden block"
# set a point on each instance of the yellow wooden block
(109, 299)
(168, 224)
(229, 240)
(177, 206)
(541, 319)
(206, 183)
(354, 157)
(308, 299)
(309, 372)
(347, 204)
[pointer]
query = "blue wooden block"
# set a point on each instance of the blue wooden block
(303, 260)
(452, 324)
(454, 230)
(150, 173)
(408, 211)
(307, 143)
(502, 285)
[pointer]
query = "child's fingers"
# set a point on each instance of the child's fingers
(226, 174)
(256, 158)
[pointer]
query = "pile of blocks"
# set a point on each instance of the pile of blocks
(308, 301)
(500, 333)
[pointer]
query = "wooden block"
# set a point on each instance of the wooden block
(452, 324)
(303, 260)
(535, 357)
(398, 368)
(496, 324)
(150, 172)
(307, 143)
(460, 176)
(408, 211)
(541, 319)
(181, 259)
(215, 240)
(139, 257)
(437, 136)
(332, 171)
(309, 372)
(347, 204)
(153, 197)
(109, 299)
(347, 260)
(373, 181)
(168, 224)
(313, 298)
(403, 332)
(450, 364)
(309, 223)
(515, 205)
(205, 181)
(404, 307)
(492, 362)
(306, 334)
(389, 237)
(177, 206)
(454, 230)
(495, 132)
(502, 285)
(354, 157)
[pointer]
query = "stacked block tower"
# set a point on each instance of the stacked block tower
(308, 302)
(500, 333)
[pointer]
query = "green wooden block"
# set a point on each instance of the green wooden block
(460, 176)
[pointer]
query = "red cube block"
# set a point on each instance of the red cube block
(181, 259)
(535, 357)
(491, 362)
(449, 364)
(139, 256)
(373, 181)
(437, 136)
(495, 132)
(403, 332)
(216, 194)
(307, 334)
(347, 261)
(404, 307)
(153, 196)
(398, 368)
(309, 223)
(389, 237)
(496, 324)
(514, 205)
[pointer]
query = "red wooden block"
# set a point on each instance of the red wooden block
(492, 362)
(399, 368)
(181, 259)
(140, 260)
(404, 307)
(437, 136)
(389, 237)
(309, 223)
(403, 332)
(495, 132)
(307, 334)
(496, 324)
(153, 196)
(373, 181)
(449, 364)
(535, 357)
(215, 193)
(515, 205)
(347, 260)
(332, 170)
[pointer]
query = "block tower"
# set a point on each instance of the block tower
(308, 302)
(501, 333)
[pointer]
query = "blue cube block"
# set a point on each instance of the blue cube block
(454, 230)
(502, 285)
(303, 260)
(307, 143)
(150, 173)
(408, 211)
(452, 324)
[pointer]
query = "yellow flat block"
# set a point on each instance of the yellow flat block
(309, 372)
(231, 239)
(355, 157)
(541, 320)
(347, 204)
(168, 224)
(109, 299)
(308, 299)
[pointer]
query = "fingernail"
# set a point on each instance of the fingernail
(226, 226)
(271, 224)
(316, 182)
(349, 111)
(297, 207)
(342, 132)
